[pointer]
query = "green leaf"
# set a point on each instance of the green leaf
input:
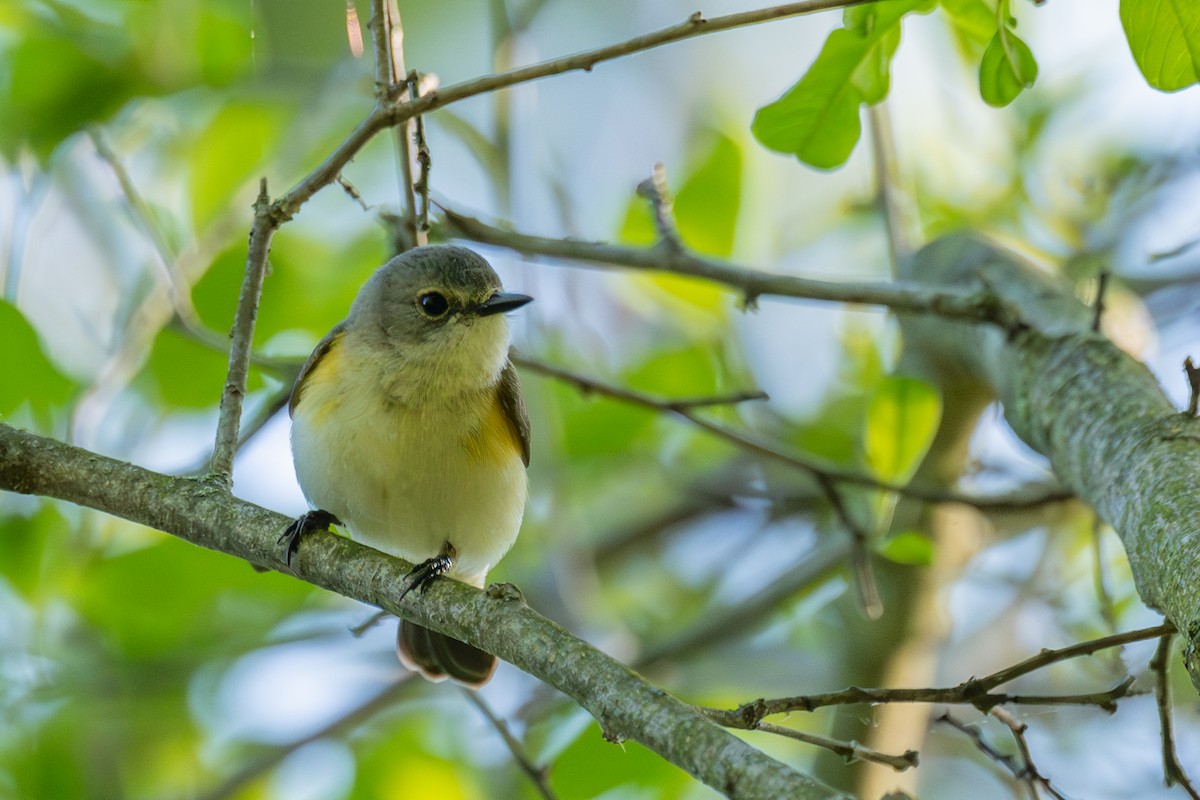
(902, 418)
(817, 119)
(1007, 69)
(707, 204)
(228, 155)
(40, 384)
(909, 547)
(1164, 36)
(973, 18)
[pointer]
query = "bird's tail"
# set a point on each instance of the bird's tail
(438, 656)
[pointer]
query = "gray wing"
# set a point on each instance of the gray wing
(323, 347)
(513, 406)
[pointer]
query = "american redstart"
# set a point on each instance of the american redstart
(408, 428)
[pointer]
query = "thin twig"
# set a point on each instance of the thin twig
(1004, 760)
(814, 467)
(220, 470)
(745, 617)
(883, 147)
(976, 306)
(1098, 306)
(860, 550)
(1029, 771)
(539, 776)
(655, 190)
(1173, 772)
(252, 427)
(390, 77)
(1193, 378)
(425, 161)
(975, 691)
(851, 751)
(386, 115)
(346, 723)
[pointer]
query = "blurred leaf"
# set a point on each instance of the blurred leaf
(592, 766)
(310, 286)
(1007, 69)
(73, 64)
(817, 119)
(31, 547)
(707, 204)
(174, 600)
(706, 213)
(973, 18)
(1164, 36)
(183, 373)
(678, 372)
(33, 379)
(64, 72)
(909, 547)
(902, 418)
(228, 154)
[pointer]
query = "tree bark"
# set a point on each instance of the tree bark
(1095, 412)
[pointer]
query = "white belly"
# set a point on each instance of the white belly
(405, 483)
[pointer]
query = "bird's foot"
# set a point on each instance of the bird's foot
(308, 522)
(423, 574)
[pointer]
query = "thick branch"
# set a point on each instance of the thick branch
(1099, 415)
(626, 706)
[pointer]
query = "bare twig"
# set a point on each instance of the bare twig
(1011, 501)
(1193, 377)
(887, 178)
(744, 618)
(1029, 771)
(389, 114)
(1173, 772)
(1004, 760)
(390, 79)
(1098, 306)
(851, 751)
(539, 776)
(869, 598)
(976, 691)
(977, 306)
(348, 722)
(424, 161)
(220, 470)
(655, 190)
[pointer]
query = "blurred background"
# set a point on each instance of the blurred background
(133, 135)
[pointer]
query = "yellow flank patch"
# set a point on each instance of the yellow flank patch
(495, 441)
(322, 388)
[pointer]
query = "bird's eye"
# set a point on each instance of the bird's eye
(433, 304)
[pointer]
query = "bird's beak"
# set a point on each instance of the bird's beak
(501, 302)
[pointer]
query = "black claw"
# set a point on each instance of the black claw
(423, 574)
(308, 522)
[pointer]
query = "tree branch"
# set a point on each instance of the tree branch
(1101, 418)
(497, 620)
(220, 470)
(977, 306)
(976, 691)
(387, 114)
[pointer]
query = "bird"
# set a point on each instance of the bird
(409, 430)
